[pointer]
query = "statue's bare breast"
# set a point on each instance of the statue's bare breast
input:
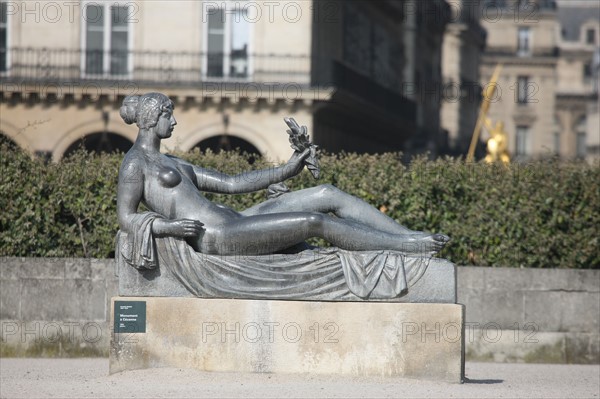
(169, 190)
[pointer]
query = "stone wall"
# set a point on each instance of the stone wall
(55, 306)
(60, 307)
(531, 315)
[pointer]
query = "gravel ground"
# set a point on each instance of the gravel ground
(88, 378)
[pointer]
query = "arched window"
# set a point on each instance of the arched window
(8, 143)
(226, 142)
(100, 142)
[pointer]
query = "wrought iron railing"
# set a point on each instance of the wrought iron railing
(195, 70)
(156, 68)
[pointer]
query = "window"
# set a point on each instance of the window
(556, 143)
(227, 42)
(580, 138)
(581, 148)
(367, 46)
(524, 42)
(522, 89)
(495, 3)
(106, 39)
(587, 70)
(522, 144)
(547, 4)
(3, 37)
(590, 36)
(556, 136)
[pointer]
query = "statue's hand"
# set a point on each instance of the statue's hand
(300, 141)
(183, 228)
(296, 162)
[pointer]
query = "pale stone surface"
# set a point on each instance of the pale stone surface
(573, 296)
(77, 298)
(529, 345)
(510, 298)
(10, 299)
(342, 338)
(57, 338)
(87, 378)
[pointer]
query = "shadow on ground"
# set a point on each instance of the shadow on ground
(487, 382)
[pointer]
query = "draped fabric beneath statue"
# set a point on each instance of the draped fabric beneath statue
(316, 274)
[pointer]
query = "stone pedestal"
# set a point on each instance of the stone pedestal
(351, 338)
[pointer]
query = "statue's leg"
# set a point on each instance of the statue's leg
(329, 199)
(268, 233)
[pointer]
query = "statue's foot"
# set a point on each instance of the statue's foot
(425, 243)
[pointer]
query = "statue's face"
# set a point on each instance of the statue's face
(166, 123)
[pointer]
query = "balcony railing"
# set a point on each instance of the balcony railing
(151, 67)
(193, 70)
(544, 52)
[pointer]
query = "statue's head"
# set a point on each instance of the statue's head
(145, 110)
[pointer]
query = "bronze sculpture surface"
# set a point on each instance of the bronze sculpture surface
(182, 221)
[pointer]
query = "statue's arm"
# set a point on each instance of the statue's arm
(217, 182)
(488, 124)
(130, 191)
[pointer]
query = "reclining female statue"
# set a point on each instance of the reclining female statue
(172, 190)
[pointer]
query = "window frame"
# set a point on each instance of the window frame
(229, 7)
(524, 151)
(581, 131)
(502, 4)
(556, 137)
(588, 70)
(7, 59)
(580, 145)
(524, 51)
(106, 31)
(593, 36)
(523, 90)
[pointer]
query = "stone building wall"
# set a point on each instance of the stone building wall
(545, 42)
(50, 101)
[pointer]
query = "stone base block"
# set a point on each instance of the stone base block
(415, 340)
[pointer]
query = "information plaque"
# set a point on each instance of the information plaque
(130, 317)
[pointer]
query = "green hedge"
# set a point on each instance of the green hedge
(542, 214)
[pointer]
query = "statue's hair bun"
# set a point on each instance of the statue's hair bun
(129, 109)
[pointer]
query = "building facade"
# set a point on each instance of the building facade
(543, 93)
(577, 108)
(464, 43)
(232, 78)
(424, 27)
(234, 69)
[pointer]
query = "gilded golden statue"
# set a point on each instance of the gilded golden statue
(497, 150)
